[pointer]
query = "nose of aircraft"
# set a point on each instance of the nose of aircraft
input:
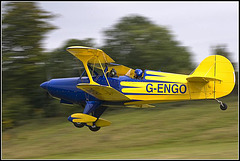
(44, 85)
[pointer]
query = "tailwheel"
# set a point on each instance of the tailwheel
(223, 106)
(78, 124)
(94, 128)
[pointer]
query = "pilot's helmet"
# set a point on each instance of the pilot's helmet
(113, 73)
(138, 72)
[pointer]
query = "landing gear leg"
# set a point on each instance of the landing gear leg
(97, 113)
(96, 110)
(223, 106)
(93, 108)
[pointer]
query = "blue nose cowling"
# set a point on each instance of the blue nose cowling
(70, 118)
(44, 85)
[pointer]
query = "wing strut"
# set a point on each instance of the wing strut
(104, 73)
(85, 60)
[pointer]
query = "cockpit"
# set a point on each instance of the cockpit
(110, 70)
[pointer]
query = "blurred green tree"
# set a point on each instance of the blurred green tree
(24, 26)
(221, 50)
(61, 63)
(137, 42)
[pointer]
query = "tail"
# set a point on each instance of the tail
(213, 78)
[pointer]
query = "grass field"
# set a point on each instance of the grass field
(180, 130)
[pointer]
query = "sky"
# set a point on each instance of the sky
(197, 25)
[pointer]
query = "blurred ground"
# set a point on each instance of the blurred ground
(180, 130)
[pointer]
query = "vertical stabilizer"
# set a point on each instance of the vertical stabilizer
(213, 78)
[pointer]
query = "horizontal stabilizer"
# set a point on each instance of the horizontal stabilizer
(104, 93)
(201, 79)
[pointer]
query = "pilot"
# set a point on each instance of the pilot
(138, 74)
(113, 73)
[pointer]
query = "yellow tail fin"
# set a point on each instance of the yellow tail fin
(214, 78)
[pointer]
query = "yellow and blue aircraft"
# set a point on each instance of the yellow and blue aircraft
(105, 83)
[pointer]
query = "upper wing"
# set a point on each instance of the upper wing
(97, 54)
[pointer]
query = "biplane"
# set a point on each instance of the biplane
(104, 84)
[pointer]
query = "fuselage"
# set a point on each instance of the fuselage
(154, 87)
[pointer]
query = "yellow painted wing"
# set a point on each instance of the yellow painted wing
(96, 54)
(104, 93)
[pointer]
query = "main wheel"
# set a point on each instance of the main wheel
(94, 128)
(223, 106)
(78, 124)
